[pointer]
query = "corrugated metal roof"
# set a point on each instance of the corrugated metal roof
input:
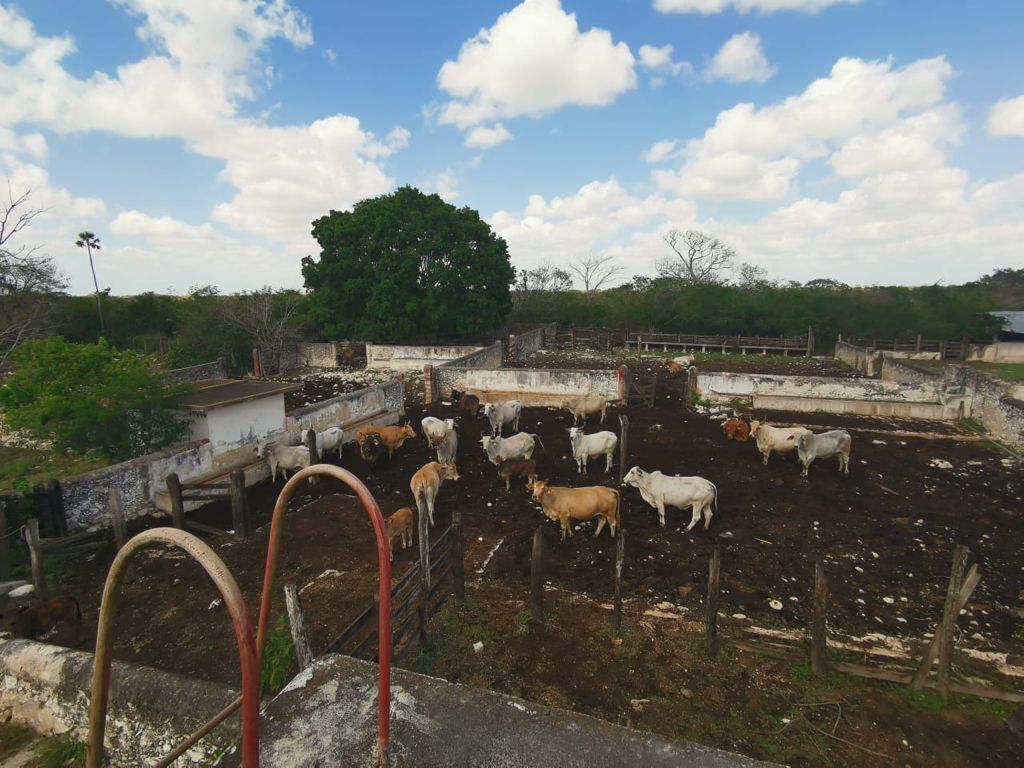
(1016, 324)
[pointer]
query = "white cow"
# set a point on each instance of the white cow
(328, 441)
(286, 457)
(500, 414)
(447, 448)
(662, 491)
(519, 446)
(435, 430)
(585, 447)
(824, 446)
(778, 439)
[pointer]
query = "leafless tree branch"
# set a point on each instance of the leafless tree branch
(700, 258)
(594, 271)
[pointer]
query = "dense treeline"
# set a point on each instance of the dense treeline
(934, 311)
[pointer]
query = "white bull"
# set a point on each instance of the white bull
(519, 446)
(327, 441)
(448, 447)
(662, 491)
(436, 430)
(778, 439)
(824, 446)
(286, 457)
(500, 414)
(585, 447)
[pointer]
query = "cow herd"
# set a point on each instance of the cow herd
(513, 456)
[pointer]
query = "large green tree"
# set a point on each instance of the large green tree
(407, 264)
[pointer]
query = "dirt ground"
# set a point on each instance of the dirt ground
(886, 534)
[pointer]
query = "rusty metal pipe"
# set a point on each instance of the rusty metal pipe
(384, 571)
(240, 621)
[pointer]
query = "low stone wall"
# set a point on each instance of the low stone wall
(543, 387)
(311, 354)
(439, 380)
(992, 402)
(905, 371)
(997, 352)
(202, 372)
(522, 345)
(922, 400)
(865, 361)
(408, 357)
(46, 688)
(384, 400)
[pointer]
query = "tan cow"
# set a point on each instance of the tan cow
(427, 482)
(781, 440)
(585, 405)
(391, 437)
(564, 504)
(400, 524)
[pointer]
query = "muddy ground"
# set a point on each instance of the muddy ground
(886, 534)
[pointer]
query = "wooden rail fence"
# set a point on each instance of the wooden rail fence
(233, 488)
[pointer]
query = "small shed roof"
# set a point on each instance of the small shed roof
(1016, 324)
(217, 393)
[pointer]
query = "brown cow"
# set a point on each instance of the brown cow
(564, 504)
(674, 367)
(468, 404)
(56, 615)
(736, 429)
(391, 437)
(400, 524)
(427, 482)
(525, 468)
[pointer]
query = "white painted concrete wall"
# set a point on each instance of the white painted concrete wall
(245, 421)
(998, 352)
(541, 387)
(407, 357)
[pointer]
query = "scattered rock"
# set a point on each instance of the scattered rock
(22, 591)
(478, 646)
(775, 605)
(940, 464)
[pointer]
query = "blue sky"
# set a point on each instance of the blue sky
(879, 141)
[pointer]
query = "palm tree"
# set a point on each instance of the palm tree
(89, 241)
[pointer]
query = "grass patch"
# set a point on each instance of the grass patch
(929, 700)
(809, 683)
(60, 752)
(453, 630)
(279, 664)
(23, 468)
(522, 623)
(13, 738)
(1005, 371)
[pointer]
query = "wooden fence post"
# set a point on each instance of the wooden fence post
(711, 607)
(574, 337)
(810, 341)
(314, 454)
(819, 639)
(35, 552)
(950, 614)
(115, 506)
(297, 624)
(422, 608)
(60, 515)
(623, 445)
(177, 504)
(537, 576)
(5, 544)
(458, 564)
(691, 385)
(239, 508)
(932, 651)
(620, 554)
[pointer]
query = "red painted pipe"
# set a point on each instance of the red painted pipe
(384, 571)
(240, 621)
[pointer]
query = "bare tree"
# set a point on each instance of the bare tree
(267, 316)
(752, 276)
(546, 278)
(594, 271)
(701, 258)
(28, 278)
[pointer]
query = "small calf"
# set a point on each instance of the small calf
(400, 524)
(736, 429)
(524, 468)
(468, 404)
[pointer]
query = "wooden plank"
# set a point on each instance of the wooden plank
(351, 629)
(177, 503)
(711, 605)
(424, 544)
(932, 651)
(115, 506)
(537, 576)
(819, 604)
(204, 528)
(297, 625)
(205, 496)
(314, 454)
(949, 617)
(620, 554)
(623, 445)
(36, 554)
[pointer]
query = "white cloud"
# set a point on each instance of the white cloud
(660, 151)
(206, 61)
(533, 61)
(1006, 118)
(483, 137)
(741, 60)
(756, 154)
(601, 217)
(746, 6)
(660, 60)
(330, 55)
(445, 184)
